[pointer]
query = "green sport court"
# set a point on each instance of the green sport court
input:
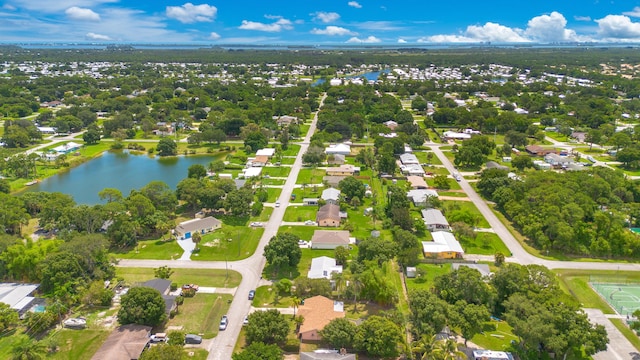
(623, 298)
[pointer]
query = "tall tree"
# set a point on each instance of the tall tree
(269, 327)
(142, 305)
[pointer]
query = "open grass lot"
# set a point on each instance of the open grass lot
(313, 192)
(484, 244)
(216, 246)
(287, 160)
(292, 150)
(156, 249)
(431, 271)
(274, 194)
(453, 194)
(266, 297)
(77, 344)
(264, 181)
(276, 171)
(496, 336)
(453, 184)
(264, 216)
(300, 213)
(303, 232)
(451, 205)
(424, 158)
(310, 176)
(202, 277)
(201, 314)
(556, 136)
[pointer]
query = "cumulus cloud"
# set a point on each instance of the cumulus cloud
(281, 24)
(402, 41)
(333, 31)
(354, 4)
(214, 36)
(326, 17)
(550, 28)
(379, 26)
(633, 13)
(82, 14)
(582, 18)
(618, 27)
(189, 13)
(495, 33)
(369, 40)
(94, 36)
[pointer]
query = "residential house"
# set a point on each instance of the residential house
(251, 172)
(452, 135)
(495, 165)
(408, 159)
(124, 343)
(317, 312)
(340, 149)
(47, 130)
(483, 269)
(434, 220)
(164, 288)
(331, 195)
(67, 148)
(579, 136)
(322, 267)
(412, 170)
(336, 159)
(328, 216)
(330, 239)
(18, 296)
(538, 150)
(285, 120)
(390, 124)
(260, 160)
(576, 167)
(185, 229)
(443, 246)
(333, 180)
(322, 354)
(310, 201)
(239, 183)
(407, 149)
(343, 170)
(491, 355)
(417, 182)
(419, 196)
(556, 160)
(268, 152)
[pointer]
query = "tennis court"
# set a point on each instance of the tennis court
(623, 298)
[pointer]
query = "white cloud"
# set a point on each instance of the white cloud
(369, 40)
(448, 39)
(379, 26)
(495, 33)
(550, 28)
(57, 6)
(281, 24)
(333, 31)
(189, 13)
(618, 27)
(214, 36)
(354, 4)
(633, 13)
(8, 7)
(402, 41)
(582, 18)
(82, 14)
(94, 36)
(326, 17)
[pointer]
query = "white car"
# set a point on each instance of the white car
(223, 323)
(278, 203)
(257, 224)
(302, 243)
(309, 222)
(246, 321)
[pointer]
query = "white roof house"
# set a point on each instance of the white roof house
(419, 196)
(434, 220)
(252, 172)
(443, 242)
(342, 149)
(331, 195)
(323, 267)
(456, 135)
(491, 355)
(66, 148)
(412, 169)
(408, 159)
(266, 152)
(17, 296)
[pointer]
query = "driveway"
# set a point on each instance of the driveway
(619, 347)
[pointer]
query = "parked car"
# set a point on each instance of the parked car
(302, 243)
(246, 321)
(190, 286)
(158, 338)
(278, 203)
(252, 294)
(309, 222)
(257, 224)
(223, 322)
(192, 339)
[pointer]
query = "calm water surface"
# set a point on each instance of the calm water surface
(119, 170)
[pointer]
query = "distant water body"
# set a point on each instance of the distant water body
(119, 170)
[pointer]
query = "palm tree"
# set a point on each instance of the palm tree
(196, 237)
(26, 348)
(339, 281)
(449, 350)
(425, 348)
(295, 301)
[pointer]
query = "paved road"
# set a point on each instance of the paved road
(619, 347)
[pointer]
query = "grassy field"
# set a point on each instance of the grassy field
(216, 246)
(310, 176)
(265, 297)
(202, 277)
(300, 213)
(627, 332)
(484, 244)
(292, 150)
(77, 344)
(497, 336)
(313, 192)
(274, 194)
(424, 158)
(451, 205)
(157, 249)
(201, 314)
(431, 271)
(276, 171)
(264, 216)
(303, 232)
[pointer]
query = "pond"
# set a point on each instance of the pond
(373, 75)
(120, 170)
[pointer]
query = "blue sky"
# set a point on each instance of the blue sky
(319, 22)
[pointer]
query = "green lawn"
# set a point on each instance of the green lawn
(287, 160)
(310, 176)
(274, 194)
(468, 206)
(153, 249)
(264, 181)
(276, 171)
(497, 336)
(264, 216)
(265, 297)
(77, 344)
(431, 272)
(313, 192)
(230, 243)
(292, 150)
(201, 314)
(453, 184)
(424, 158)
(303, 232)
(300, 213)
(202, 277)
(484, 244)
(453, 194)
(576, 283)
(627, 332)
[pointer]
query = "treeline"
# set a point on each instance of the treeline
(580, 213)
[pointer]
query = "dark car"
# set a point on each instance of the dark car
(192, 339)
(252, 294)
